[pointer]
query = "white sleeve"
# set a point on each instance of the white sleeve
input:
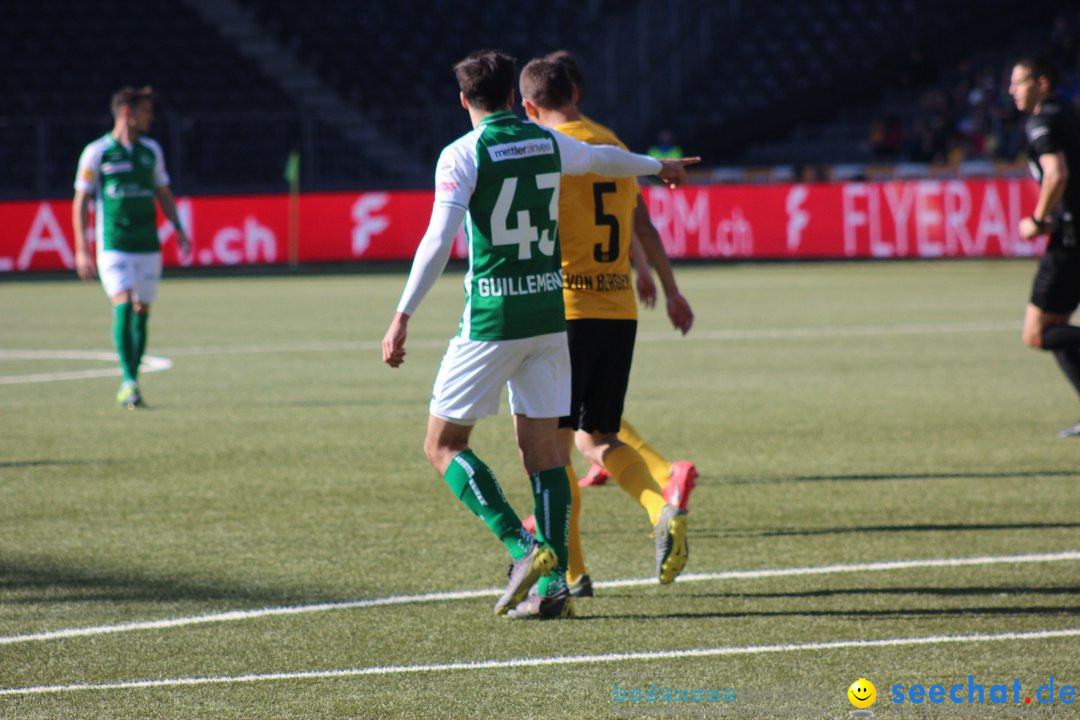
(432, 255)
(455, 175)
(579, 158)
(161, 177)
(89, 167)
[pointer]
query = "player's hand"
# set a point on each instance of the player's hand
(1030, 229)
(678, 310)
(184, 242)
(646, 289)
(393, 343)
(673, 170)
(85, 265)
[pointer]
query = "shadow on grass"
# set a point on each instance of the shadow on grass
(858, 477)
(701, 533)
(1013, 592)
(32, 584)
(1004, 611)
(938, 591)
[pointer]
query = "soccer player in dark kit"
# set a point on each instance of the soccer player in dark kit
(1053, 136)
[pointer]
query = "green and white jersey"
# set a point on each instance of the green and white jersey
(123, 182)
(502, 179)
(506, 174)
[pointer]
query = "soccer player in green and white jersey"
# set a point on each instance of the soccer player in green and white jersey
(123, 172)
(502, 180)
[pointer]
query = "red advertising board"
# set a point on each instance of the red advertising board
(900, 219)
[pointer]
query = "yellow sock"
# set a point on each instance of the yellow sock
(630, 471)
(576, 567)
(658, 464)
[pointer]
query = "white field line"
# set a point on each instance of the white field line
(695, 335)
(544, 661)
(156, 363)
(235, 615)
(150, 363)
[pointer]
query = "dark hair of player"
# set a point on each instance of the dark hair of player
(128, 97)
(486, 77)
(1040, 66)
(547, 84)
(564, 58)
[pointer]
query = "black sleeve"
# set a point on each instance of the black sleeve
(1043, 135)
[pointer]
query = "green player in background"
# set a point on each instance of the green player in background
(502, 180)
(123, 172)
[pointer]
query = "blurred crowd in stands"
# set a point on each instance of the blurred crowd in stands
(965, 112)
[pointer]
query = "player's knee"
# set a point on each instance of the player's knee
(595, 445)
(439, 453)
(1032, 337)
(538, 457)
(430, 451)
(585, 445)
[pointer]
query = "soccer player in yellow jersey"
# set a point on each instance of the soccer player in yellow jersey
(596, 216)
(678, 478)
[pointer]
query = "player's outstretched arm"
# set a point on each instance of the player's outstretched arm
(673, 172)
(579, 158)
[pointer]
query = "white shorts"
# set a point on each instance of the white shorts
(122, 271)
(471, 378)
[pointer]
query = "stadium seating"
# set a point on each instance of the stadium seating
(782, 82)
(392, 58)
(63, 60)
(945, 103)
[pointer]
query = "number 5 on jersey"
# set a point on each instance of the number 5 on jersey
(525, 234)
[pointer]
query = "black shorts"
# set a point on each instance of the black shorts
(601, 352)
(1056, 288)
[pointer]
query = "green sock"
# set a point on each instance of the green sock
(139, 322)
(551, 583)
(122, 340)
(475, 485)
(551, 504)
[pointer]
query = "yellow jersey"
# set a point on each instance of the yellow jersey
(595, 220)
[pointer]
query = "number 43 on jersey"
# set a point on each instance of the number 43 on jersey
(525, 233)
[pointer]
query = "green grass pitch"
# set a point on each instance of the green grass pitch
(840, 415)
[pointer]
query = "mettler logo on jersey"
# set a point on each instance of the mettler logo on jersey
(521, 149)
(111, 168)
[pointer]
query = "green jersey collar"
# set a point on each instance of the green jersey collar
(129, 150)
(501, 116)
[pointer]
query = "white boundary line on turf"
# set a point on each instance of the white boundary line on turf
(156, 363)
(235, 615)
(150, 363)
(542, 661)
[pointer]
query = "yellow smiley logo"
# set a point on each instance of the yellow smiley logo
(862, 693)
